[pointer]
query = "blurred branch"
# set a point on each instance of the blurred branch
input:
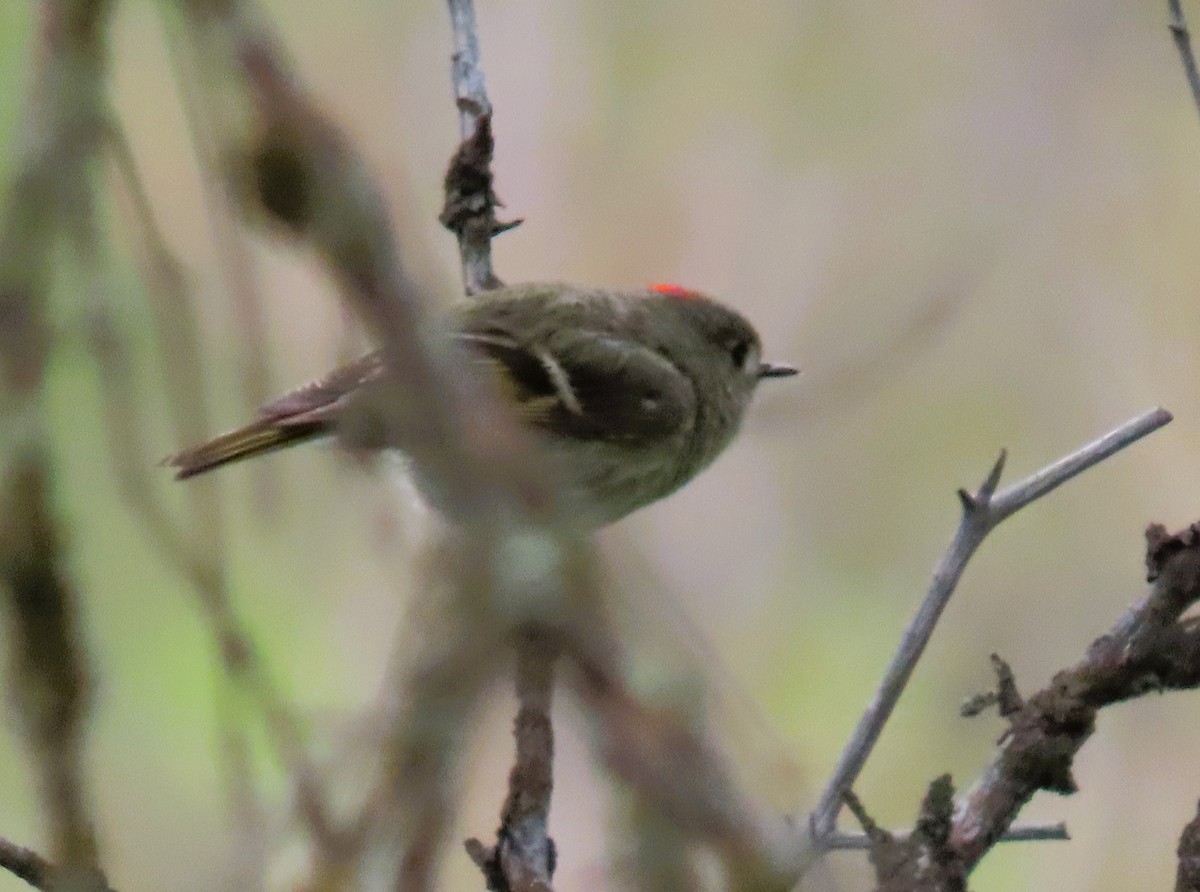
(247, 812)
(425, 745)
(983, 510)
(235, 263)
(517, 561)
(659, 856)
(51, 190)
(1187, 876)
(1149, 650)
(1183, 43)
(676, 771)
(470, 208)
(50, 683)
(196, 552)
(26, 864)
(852, 381)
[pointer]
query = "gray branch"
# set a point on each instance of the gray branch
(983, 510)
(470, 208)
(1183, 43)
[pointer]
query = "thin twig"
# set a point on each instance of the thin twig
(470, 208)
(1183, 42)
(470, 90)
(1028, 833)
(982, 511)
(1010, 500)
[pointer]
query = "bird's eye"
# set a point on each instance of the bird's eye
(739, 352)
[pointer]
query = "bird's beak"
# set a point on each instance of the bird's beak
(771, 370)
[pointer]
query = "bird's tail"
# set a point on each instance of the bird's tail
(256, 438)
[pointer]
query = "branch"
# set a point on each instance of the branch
(235, 262)
(1150, 649)
(50, 191)
(470, 208)
(1030, 833)
(28, 865)
(523, 858)
(196, 549)
(983, 510)
(50, 682)
(668, 762)
(1183, 42)
(519, 557)
(1187, 876)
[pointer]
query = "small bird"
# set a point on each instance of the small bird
(632, 393)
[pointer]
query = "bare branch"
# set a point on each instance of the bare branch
(982, 511)
(1187, 876)
(235, 262)
(1026, 833)
(28, 865)
(675, 769)
(523, 857)
(1183, 42)
(524, 854)
(1149, 649)
(25, 864)
(470, 209)
(1008, 501)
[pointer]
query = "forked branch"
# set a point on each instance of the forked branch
(983, 510)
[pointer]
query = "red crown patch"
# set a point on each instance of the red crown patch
(672, 290)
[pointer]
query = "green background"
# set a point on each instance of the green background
(973, 226)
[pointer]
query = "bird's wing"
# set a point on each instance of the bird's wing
(590, 386)
(584, 385)
(304, 413)
(322, 399)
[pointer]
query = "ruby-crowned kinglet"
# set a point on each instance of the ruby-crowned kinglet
(632, 393)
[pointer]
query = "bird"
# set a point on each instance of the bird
(631, 392)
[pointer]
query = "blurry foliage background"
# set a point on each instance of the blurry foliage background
(972, 225)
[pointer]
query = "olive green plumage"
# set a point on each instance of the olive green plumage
(631, 392)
